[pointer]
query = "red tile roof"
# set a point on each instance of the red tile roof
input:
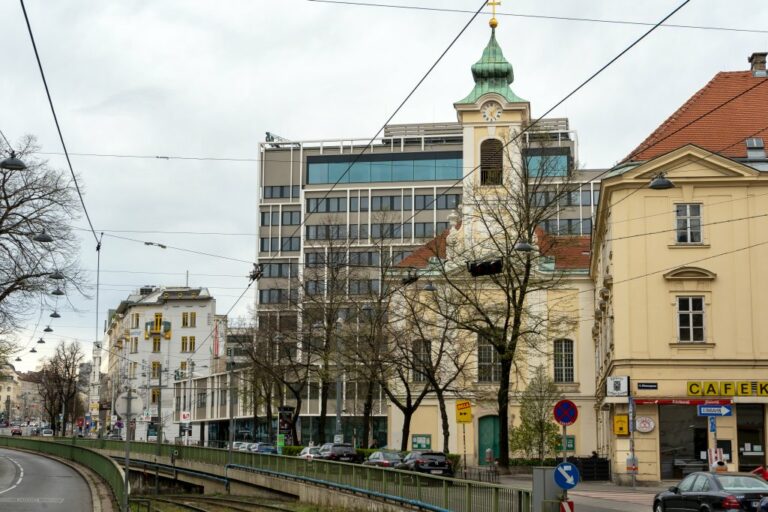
(732, 107)
(570, 252)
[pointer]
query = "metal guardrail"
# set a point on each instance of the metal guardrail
(83, 455)
(449, 493)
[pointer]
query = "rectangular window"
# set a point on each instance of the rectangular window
(586, 198)
(354, 204)
(193, 319)
(690, 319)
(488, 362)
(191, 343)
(155, 369)
(185, 319)
(422, 360)
(183, 367)
(134, 345)
(425, 202)
(563, 361)
(291, 218)
(688, 223)
(158, 322)
(156, 344)
(155, 396)
(184, 344)
(132, 370)
(135, 321)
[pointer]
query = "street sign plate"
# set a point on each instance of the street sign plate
(566, 475)
(566, 412)
(713, 424)
(715, 410)
(121, 405)
(463, 411)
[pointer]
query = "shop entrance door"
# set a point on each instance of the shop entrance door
(750, 436)
(682, 441)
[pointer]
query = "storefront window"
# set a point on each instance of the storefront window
(683, 441)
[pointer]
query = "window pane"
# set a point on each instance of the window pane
(697, 304)
(585, 198)
(381, 171)
(402, 170)
(698, 334)
(360, 172)
(424, 170)
(353, 204)
(336, 172)
(682, 303)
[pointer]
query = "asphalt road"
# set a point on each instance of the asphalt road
(32, 483)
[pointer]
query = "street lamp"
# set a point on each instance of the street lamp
(57, 292)
(12, 163)
(55, 314)
(339, 387)
(57, 275)
(660, 182)
(48, 329)
(523, 245)
(43, 237)
(40, 341)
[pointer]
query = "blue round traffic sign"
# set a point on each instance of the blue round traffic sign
(566, 475)
(566, 412)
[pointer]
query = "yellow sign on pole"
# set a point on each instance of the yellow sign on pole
(621, 424)
(463, 411)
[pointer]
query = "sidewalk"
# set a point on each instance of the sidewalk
(526, 482)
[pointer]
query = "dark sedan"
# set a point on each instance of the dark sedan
(383, 459)
(704, 491)
(341, 452)
(434, 463)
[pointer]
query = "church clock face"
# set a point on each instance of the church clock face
(491, 111)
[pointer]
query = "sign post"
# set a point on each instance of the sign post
(566, 414)
(464, 416)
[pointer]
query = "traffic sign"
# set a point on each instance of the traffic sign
(566, 412)
(121, 405)
(566, 475)
(185, 416)
(715, 410)
(713, 424)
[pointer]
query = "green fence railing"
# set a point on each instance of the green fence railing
(435, 491)
(102, 465)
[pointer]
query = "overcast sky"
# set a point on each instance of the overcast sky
(208, 78)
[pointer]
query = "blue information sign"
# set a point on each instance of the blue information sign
(715, 410)
(566, 475)
(712, 424)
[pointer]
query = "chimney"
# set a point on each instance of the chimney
(757, 61)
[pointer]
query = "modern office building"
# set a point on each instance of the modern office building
(338, 199)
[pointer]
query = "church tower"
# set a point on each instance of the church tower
(491, 115)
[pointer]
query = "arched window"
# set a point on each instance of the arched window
(491, 162)
(563, 360)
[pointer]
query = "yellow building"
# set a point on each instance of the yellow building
(511, 161)
(679, 269)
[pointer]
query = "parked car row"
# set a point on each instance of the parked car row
(254, 447)
(422, 461)
(705, 491)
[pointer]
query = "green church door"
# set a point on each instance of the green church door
(488, 438)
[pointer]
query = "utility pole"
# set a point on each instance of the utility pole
(188, 429)
(159, 428)
(231, 365)
(127, 449)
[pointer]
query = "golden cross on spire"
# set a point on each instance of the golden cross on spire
(493, 3)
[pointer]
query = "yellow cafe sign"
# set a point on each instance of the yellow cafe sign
(727, 388)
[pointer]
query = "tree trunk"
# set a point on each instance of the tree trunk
(503, 400)
(268, 411)
(323, 411)
(255, 400)
(407, 414)
(367, 410)
(444, 417)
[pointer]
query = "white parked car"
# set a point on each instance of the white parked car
(310, 452)
(47, 432)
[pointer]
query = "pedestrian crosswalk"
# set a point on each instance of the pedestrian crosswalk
(639, 498)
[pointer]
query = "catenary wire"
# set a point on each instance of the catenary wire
(56, 121)
(539, 16)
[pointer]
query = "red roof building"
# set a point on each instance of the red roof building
(730, 109)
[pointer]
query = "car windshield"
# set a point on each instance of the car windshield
(742, 483)
(391, 455)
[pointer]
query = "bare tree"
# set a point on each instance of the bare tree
(32, 201)
(441, 357)
(498, 282)
(60, 382)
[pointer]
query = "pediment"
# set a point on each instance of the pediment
(691, 163)
(697, 273)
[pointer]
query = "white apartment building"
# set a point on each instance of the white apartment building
(154, 337)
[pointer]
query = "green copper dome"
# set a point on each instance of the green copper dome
(492, 73)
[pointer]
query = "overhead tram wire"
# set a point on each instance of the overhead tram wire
(538, 16)
(56, 121)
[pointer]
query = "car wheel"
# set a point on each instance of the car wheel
(658, 507)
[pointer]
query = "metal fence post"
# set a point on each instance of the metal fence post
(468, 497)
(445, 494)
(495, 498)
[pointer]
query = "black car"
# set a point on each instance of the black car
(383, 459)
(434, 463)
(341, 452)
(704, 491)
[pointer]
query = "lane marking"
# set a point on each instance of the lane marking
(21, 475)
